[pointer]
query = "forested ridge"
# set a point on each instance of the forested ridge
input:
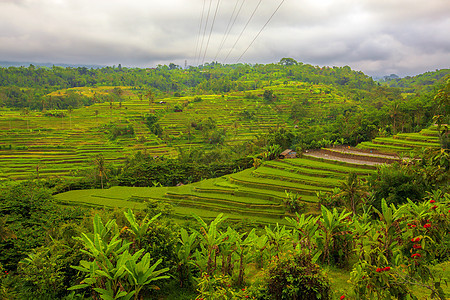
(351, 232)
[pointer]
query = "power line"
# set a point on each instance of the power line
(228, 29)
(282, 1)
(199, 32)
(212, 26)
(204, 31)
(243, 30)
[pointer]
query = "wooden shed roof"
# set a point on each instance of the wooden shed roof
(286, 152)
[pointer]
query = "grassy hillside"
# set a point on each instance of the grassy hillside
(256, 195)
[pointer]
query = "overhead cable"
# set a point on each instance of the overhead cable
(260, 30)
(229, 52)
(197, 55)
(204, 31)
(212, 26)
(228, 29)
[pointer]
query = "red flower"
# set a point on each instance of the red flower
(378, 270)
(434, 207)
(342, 297)
(416, 255)
(432, 201)
(386, 268)
(413, 226)
(415, 240)
(428, 225)
(416, 246)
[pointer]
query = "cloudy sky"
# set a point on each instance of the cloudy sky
(378, 37)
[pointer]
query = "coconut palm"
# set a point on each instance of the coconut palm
(352, 192)
(100, 167)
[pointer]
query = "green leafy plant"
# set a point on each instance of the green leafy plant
(293, 276)
(113, 272)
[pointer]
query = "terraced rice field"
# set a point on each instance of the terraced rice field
(404, 142)
(33, 144)
(252, 195)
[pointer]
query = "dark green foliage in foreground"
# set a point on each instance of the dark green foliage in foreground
(40, 248)
(425, 172)
(29, 214)
(294, 276)
(395, 185)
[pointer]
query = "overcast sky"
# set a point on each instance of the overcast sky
(378, 37)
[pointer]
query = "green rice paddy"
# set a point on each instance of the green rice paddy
(36, 145)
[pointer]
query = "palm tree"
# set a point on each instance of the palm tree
(100, 167)
(352, 192)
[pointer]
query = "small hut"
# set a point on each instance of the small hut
(288, 153)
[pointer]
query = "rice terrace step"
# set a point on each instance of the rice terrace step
(257, 193)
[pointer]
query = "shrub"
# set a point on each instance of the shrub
(294, 276)
(395, 184)
(114, 131)
(293, 202)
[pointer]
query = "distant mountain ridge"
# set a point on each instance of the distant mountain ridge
(7, 64)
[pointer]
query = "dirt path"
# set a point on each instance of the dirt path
(365, 152)
(355, 156)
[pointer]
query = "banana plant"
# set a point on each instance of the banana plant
(186, 244)
(227, 248)
(305, 229)
(389, 224)
(142, 273)
(112, 271)
(139, 230)
(259, 249)
(107, 269)
(362, 226)
(210, 238)
(100, 244)
(277, 238)
(332, 224)
(243, 248)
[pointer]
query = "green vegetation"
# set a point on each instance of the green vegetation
(167, 184)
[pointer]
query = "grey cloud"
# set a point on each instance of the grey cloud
(401, 36)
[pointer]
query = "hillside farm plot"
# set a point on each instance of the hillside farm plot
(404, 142)
(256, 195)
(60, 143)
